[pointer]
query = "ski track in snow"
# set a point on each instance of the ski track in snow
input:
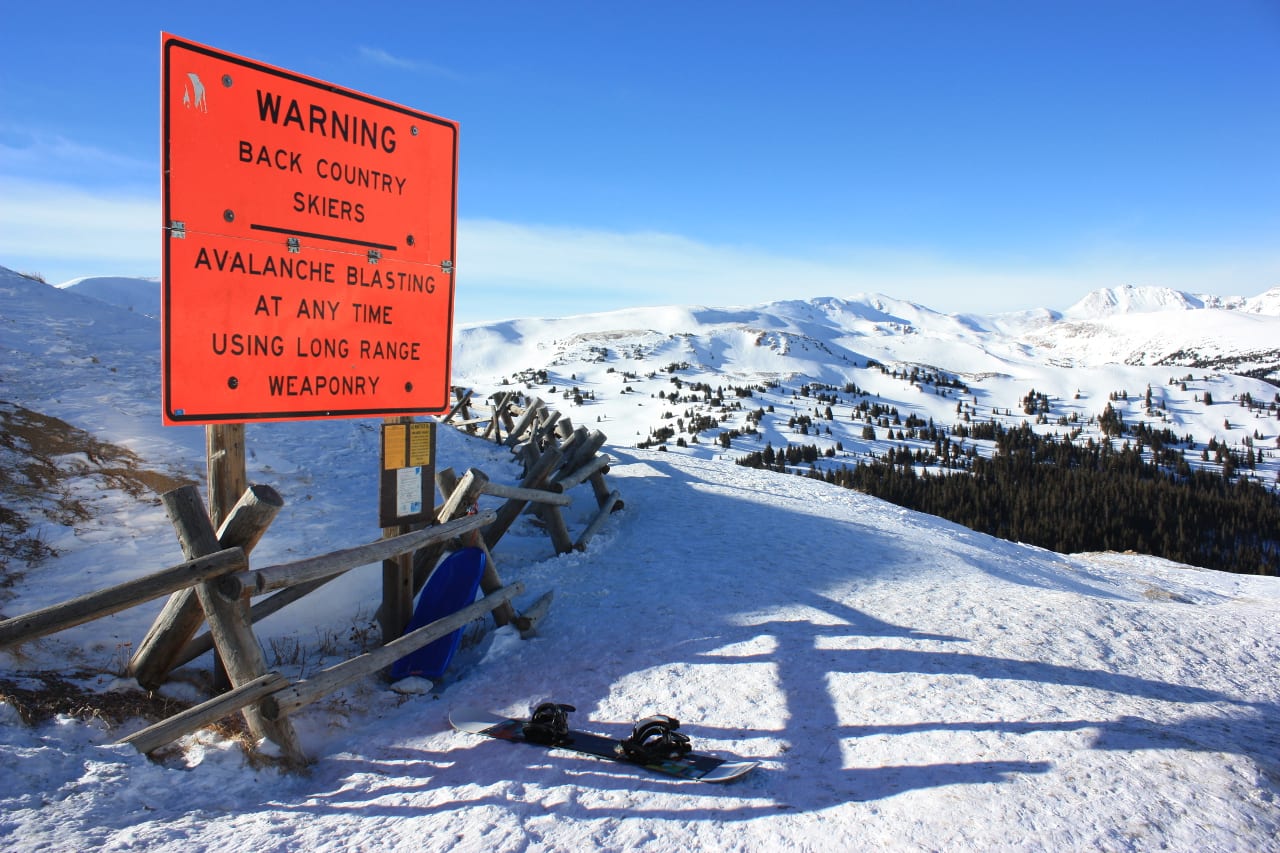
(906, 684)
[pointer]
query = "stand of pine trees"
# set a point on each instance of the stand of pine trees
(1093, 497)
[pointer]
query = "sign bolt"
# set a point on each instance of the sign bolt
(226, 80)
(229, 215)
(409, 239)
(408, 386)
(233, 383)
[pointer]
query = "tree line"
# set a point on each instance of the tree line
(1071, 497)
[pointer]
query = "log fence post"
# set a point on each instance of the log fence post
(228, 619)
(526, 422)
(510, 511)
(166, 645)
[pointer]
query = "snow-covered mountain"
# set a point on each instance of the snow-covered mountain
(135, 294)
(1108, 302)
(904, 682)
(1154, 366)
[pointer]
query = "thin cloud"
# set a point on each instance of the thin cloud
(552, 271)
(64, 232)
(31, 153)
(378, 56)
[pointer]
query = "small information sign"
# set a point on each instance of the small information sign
(407, 483)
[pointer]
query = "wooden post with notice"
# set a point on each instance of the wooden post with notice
(397, 575)
(406, 486)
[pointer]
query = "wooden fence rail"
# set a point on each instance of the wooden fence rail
(257, 581)
(104, 602)
(295, 696)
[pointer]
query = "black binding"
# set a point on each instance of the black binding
(549, 724)
(655, 739)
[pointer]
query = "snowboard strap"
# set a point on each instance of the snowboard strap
(654, 739)
(549, 724)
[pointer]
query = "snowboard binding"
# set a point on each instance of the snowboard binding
(549, 724)
(654, 739)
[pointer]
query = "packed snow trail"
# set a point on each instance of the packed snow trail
(906, 684)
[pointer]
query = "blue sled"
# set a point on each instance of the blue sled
(451, 587)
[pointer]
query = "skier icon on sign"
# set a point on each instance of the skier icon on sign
(199, 102)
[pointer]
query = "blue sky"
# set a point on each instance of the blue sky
(970, 156)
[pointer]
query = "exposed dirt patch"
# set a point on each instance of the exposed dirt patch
(45, 463)
(40, 696)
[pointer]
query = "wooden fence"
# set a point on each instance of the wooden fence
(216, 583)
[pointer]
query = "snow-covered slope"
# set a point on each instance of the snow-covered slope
(136, 294)
(906, 683)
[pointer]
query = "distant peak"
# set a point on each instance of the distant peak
(1132, 299)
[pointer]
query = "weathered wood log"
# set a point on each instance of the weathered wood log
(460, 407)
(250, 517)
(167, 731)
(495, 421)
(504, 613)
(569, 447)
(182, 615)
(525, 420)
(505, 414)
(458, 496)
(546, 496)
(596, 523)
(543, 433)
(602, 491)
(166, 644)
(462, 498)
(396, 608)
(242, 655)
(583, 452)
(471, 422)
(574, 478)
(528, 621)
(510, 511)
(227, 480)
(296, 696)
(104, 602)
(228, 619)
(226, 469)
(284, 575)
(556, 528)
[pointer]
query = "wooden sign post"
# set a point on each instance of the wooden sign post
(406, 487)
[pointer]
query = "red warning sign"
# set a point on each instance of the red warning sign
(309, 241)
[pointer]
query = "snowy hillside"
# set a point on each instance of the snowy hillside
(905, 683)
(136, 294)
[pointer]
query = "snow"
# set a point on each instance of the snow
(906, 684)
(141, 295)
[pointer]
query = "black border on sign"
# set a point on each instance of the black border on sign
(170, 42)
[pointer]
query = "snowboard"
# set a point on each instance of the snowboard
(451, 587)
(693, 765)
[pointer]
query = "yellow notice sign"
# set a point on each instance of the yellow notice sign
(393, 446)
(406, 484)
